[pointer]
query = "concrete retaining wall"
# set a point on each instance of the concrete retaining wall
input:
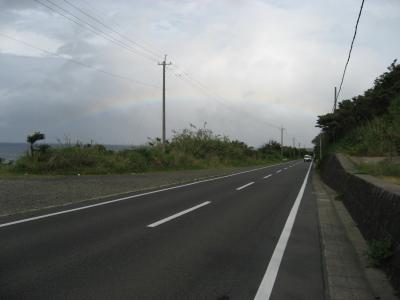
(373, 204)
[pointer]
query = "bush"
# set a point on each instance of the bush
(378, 251)
(188, 149)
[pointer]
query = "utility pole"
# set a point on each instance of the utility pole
(294, 146)
(164, 63)
(320, 146)
(334, 110)
(282, 129)
(335, 101)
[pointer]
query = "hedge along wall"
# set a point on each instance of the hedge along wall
(373, 204)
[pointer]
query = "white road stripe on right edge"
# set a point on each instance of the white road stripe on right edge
(268, 281)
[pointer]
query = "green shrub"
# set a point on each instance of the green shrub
(378, 251)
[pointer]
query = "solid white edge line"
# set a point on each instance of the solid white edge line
(244, 186)
(174, 216)
(268, 281)
(265, 177)
(130, 197)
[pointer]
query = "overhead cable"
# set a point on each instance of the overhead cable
(351, 48)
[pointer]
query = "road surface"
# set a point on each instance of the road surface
(252, 235)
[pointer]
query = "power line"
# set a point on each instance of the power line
(126, 38)
(187, 76)
(351, 48)
(100, 13)
(81, 63)
(183, 76)
(92, 28)
(219, 99)
(102, 33)
(111, 29)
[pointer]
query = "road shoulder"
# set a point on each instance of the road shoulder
(301, 267)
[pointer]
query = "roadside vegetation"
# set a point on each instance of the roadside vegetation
(194, 148)
(367, 125)
(386, 168)
(379, 251)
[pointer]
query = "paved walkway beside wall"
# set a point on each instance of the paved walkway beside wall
(347, 273)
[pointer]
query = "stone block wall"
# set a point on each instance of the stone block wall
(373, 204)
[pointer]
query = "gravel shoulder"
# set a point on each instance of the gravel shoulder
(20, 194)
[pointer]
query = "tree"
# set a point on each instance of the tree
(33, 138)
(360, 110)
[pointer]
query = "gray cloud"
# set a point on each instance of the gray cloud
(270, 62)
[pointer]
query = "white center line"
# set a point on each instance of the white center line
(267, 176)
(268, 281)
(278, 171)
(155, 224)
(244, 186)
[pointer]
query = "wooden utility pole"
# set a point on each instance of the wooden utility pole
(335, 100)
(320, 146)
(164, 63)
(282, 129)
(294, 146)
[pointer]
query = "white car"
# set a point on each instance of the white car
(307, 158)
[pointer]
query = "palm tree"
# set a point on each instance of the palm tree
(33, 138)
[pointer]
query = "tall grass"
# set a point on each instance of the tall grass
(188, 149)
(384, 168)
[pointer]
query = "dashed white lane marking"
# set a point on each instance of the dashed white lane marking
(269, 175)
(278, 171)
(129, 197)
(155, 224)
(285, 168)
(268, 281)
(244, 186)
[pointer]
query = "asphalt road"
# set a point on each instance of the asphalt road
(209, 240)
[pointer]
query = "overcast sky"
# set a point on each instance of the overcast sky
(245, 67)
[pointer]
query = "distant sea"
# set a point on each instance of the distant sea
(12, 151)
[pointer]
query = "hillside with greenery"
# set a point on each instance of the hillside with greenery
(194, 148)
(367, 125)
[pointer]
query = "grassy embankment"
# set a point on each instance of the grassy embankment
(368, 125)
(379, 137)
(189, 149)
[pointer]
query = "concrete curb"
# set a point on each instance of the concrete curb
(346, 270)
